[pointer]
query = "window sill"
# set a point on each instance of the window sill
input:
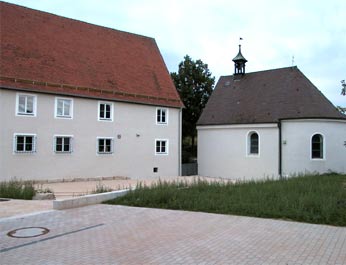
(63, 117)
(252, 156)
(26, 114)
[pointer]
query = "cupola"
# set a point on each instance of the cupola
(239, 63)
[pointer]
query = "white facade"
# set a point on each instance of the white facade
(296, 148)
(132, 128)
(223, 151)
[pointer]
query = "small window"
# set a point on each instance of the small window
(24, 143)
(254, 144)
(105, 145)
(317, 146)
(161, 116)
(63, 108)
(161, 147)
(26, 105)
(105, 111)
(63, 144)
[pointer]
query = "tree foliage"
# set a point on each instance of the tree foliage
(343, 89)
(194, 83)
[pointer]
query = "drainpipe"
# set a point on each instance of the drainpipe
(280, 149)
(179, 140)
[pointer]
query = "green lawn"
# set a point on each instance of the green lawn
(319, 199)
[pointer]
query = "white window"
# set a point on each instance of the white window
(63, 108)
(161, 147)
(63, 144)
(105, 112)
(24, 143)
(253, 144)
(161, 116)
(26, 105)
(317, 146)
(104, 145)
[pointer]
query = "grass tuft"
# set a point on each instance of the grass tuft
(17, 189)
(319, 199)
(101, 188)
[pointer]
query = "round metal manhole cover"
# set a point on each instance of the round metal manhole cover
(27, 232)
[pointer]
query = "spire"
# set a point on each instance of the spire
(239, 63)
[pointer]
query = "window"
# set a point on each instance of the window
(161, 147)
(317, 146)
(105, 145)
(24, 143)
(105, 111)
(63, 144)
(63, 108)
(161, 116)
(253, 144)
(26, 105)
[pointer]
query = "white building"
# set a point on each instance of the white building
(79, 100)
(269, 124)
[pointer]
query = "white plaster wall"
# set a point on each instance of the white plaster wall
(222, 152)
(133, 156)
(296, 153)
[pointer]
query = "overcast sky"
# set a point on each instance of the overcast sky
(273, 32)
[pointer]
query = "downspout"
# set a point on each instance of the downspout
(280, 150)
(179, 140)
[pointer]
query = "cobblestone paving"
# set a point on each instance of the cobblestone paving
(106, 234)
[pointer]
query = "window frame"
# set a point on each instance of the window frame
(99, 111)
(248, 144)
(55, 144)
(56, 115)
(166, 147)
(105, 138)
(33, 144)
(34, 107)
(160, 122)
(323, 147)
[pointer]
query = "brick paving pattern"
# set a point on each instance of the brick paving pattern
(106, 234)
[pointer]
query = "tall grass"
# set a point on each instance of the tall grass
(17, 189)
(101, 188)
(317, 199)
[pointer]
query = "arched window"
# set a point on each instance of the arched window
(317, 146)
(253, 143)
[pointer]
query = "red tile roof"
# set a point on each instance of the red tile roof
(266, 97)
(48, 53)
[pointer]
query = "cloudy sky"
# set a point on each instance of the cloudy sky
(313, 32)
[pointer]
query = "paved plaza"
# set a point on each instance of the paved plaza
(106, 234)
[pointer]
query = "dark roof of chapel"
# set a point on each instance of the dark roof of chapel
(47, 53)
(266, 97)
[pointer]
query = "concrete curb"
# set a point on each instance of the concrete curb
(87, 199)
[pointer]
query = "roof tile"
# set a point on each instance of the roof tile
(43, 48)
(266, 97)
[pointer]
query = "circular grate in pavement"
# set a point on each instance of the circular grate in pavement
(27, 232)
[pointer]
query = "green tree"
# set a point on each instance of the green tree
(195, 85)
(343, 92)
